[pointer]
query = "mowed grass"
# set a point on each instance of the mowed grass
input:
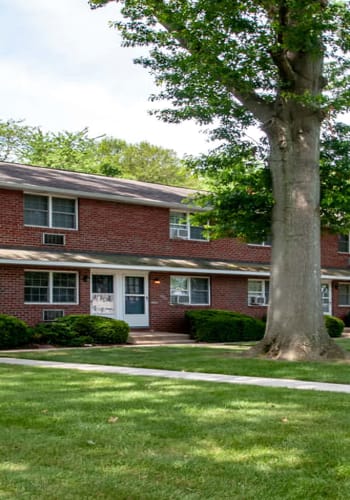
(73, 435)
(225, 360)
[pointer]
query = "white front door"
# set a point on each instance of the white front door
(121, 296)
(326, 294)
(136, 300)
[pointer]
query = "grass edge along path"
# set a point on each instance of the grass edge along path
(224, 360)
(69, 434)
(195, 376)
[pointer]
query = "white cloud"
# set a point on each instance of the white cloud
(67, 71)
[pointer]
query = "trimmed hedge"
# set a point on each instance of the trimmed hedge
(335, 326)
(215, 325)
(13, 332)
(78, 329)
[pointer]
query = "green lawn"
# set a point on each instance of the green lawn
(72, 435)
(226, 360)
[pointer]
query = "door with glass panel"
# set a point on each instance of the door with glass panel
(326, 298)
(136, 300)
(102, 295)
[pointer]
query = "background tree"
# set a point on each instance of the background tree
(282, 64)
(101, 155)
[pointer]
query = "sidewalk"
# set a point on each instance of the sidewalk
(204, 377)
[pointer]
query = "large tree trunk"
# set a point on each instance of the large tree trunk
(295, 325)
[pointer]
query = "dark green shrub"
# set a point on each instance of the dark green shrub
(335, 326)
(102, 330)
(54, 333)
(13, 332)
(214, 325)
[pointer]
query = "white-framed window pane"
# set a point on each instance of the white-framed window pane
(64, 287)
(200, 291)
(178, 225)
(63, 213)
(36, 287)
(36, 210)
(196, 233)
(343, 243)
(344, 295)
(179, 290)
(258, 292)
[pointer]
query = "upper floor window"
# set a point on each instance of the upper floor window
(258, 292)
(343, 243)
(50, 287)
(50, 211)
(264, 243)
(181, 227)
(189, 290)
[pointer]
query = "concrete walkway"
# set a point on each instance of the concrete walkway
(204, 377)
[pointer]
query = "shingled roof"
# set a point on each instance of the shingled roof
(47, 180)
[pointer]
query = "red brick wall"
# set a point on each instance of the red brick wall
(12, 296)
(226, 293)
(120, 228)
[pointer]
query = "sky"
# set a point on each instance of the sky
(62, 68)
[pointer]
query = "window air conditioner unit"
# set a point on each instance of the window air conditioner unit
(256, 301)
(54, 239)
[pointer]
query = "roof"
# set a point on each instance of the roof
(77, 260)
(53, 181)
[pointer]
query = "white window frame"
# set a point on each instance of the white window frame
(50, 211)
(50, 286)
(258, 298)
(178, 294)
(183, 230)
(339, 285)
(348, 242)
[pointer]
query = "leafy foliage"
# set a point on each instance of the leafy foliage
(13, 332)
(335, 326)
(212, 325)
(101, 155)
(80, 329)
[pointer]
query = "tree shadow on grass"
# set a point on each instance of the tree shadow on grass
(89, 435)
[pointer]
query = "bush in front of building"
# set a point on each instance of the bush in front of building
(59, 334)
(77, 330)
(215, 325)
(100, 329)
(335, 326)
(13, 332)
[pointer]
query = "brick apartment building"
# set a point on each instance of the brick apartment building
(79, 243)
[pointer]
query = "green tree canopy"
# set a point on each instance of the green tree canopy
(101, 155)
(282, 65)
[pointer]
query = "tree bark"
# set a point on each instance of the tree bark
(295, 324)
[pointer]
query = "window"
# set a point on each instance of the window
(344, 295)
(50, 287)
(181, 228)
(186, 290)
(258, 292)
(343, 243)
(49, 211)
(265, 243)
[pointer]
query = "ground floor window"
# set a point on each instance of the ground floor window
(344, 295)
(50, 287)
(189, 290)
(258, 292)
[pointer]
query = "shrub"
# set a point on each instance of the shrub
(54, 333)
(335, 326)
(76, 330)
(13, 332)
(212, 325)
(101, 330)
